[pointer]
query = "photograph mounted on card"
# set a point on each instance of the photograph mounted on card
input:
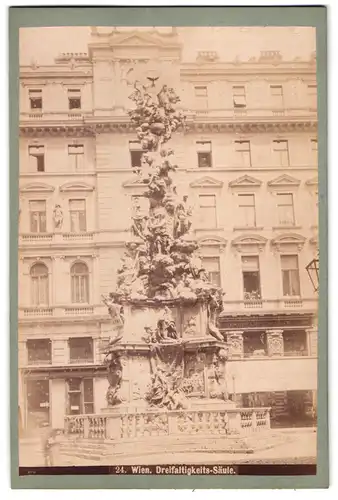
(168, 253)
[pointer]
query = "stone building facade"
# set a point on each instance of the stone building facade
(248, 162)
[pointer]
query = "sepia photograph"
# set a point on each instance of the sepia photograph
(168, 264)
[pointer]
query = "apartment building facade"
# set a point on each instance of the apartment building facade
(247, 160)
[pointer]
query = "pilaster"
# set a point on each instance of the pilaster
(275, 342)
(235, 342)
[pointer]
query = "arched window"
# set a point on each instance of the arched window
(39, 279)
(80, 283)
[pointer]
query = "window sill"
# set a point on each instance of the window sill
(208, 229)
(286, 226)
(248, 228)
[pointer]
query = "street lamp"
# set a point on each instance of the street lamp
(313, 271)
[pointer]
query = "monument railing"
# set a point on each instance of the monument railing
(145, 424)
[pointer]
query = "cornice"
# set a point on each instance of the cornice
(122, 125)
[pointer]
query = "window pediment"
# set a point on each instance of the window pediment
(291, 240)
(245, 181)
(312, 182)
(206, 182)
(212, 241)
(37, 187)
(284, 181)
(76, 186)
(134, 183)
(249, 243)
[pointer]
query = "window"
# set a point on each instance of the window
(243, 151)
(247, 211)
(35, 99)
(74, 98)
(37, 158)
(290, 275)
(239, 98)
(81, 350)
(312, 95)
(277, 96)
(80, 396)
(285, 209)
(77, 212)
(204, 156)
(136, 153)
(76, 156)
(295, 343)
(201, 96)
(37, 401)
(39, 285)
(281, 153)
(314, 150)
(212, 267)
(251, 278)
(207, 204)
(39, 351)
(79, 283)
(37, 211)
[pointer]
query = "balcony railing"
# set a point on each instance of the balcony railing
(61, 311)
(39, 238)
(150, 424)
(271, 304)
(248, 112)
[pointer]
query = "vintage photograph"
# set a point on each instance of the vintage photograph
(168, 247)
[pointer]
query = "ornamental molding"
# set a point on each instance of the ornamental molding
(121, 124)
(37, 187)
(245, 181)
(244, 242)
(206, 182)
(76, 186)
(284, 181)
(314, 241)
(295, 241)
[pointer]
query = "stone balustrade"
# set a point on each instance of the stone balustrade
(146, 424)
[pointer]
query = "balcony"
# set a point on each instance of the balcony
(271, 305)
(54, 238)
(249, 113)
(51, 116)
(59, 312)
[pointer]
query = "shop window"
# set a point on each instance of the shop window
(80, 396)
(39, 351)
(81, 350)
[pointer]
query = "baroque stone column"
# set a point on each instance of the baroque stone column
(312, 341)
(275, 342)
(235, 342)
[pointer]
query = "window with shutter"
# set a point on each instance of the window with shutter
(290, 275)
(207, 211)
(37, 212)
(77, 212)
(251, 278)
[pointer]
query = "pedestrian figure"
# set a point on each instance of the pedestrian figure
(50, 442)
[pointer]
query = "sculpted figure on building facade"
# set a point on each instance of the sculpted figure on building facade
(58, 217)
